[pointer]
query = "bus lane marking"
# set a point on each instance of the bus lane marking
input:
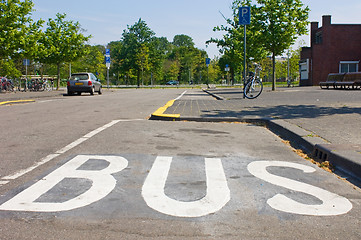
(217, 195)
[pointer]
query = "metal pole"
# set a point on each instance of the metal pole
(26, 77)
(108, 77)
(207, 76)
(244, 60)
(288, 69)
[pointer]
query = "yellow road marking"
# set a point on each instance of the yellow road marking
(16, 101)
(161, 110)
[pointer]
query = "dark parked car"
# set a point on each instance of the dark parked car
(172, 82)
(84, 82)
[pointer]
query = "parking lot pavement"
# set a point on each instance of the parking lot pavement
(323, 123)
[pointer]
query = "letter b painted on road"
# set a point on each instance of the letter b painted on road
(102, 184)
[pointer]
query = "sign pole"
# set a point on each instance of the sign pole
(244, 60)
(108, 77)
(244, 19)
(208, 61)
(26, 62)
(107, 63)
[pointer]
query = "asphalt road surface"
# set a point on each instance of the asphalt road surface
(95, 167)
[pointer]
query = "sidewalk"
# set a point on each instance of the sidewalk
(19, 96)
(324, 123)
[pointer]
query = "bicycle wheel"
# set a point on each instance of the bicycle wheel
(253, 89)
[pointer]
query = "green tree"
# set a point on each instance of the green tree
(62, 42)
(92, 61)
(142, 59)
(116, 60)
(172, 69)
(232, 43)
(183, 41)
(8, 68)
(18, 34)
(275, 26)
(135, 45)
(14, 25)
(189, 59)
(158, 51)
(280, 23)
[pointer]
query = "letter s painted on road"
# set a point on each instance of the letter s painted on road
(333, 204)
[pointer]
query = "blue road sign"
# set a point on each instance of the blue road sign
(26, 62)
(245, 15)
(208, 61)
(107, 52)
(107, 59)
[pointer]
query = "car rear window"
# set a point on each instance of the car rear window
(79, 77)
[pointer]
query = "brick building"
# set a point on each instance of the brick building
(335, 48)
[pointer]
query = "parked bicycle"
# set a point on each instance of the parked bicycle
(6, 84)
(39, 85)
(46, 86)
(253, 85)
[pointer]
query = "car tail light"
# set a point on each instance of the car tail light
(90, 83)
(68, 83)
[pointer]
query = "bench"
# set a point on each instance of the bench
(342, 81)
(332, 78)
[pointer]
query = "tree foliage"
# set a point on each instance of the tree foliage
(275, 26)
(139, 57)
(18, 34)
(62, 42)
(149, 59)
(280, 23)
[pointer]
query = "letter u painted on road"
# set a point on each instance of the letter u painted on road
(218, 193)
(332, 205)
(102, 184)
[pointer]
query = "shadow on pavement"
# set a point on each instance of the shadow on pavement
(283, 111)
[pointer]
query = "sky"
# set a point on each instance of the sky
(106, 20)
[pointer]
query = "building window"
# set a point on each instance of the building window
(319, 38)
(349, 66)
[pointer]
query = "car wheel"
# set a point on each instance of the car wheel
(92, 91)
(70, 93)
(100, 90)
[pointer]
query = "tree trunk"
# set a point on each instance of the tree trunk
(138, 78)
(58, 81)
(273, 72)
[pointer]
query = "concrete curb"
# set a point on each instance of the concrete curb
(345, 158)
(213, 94)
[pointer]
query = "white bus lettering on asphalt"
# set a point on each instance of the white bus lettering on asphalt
(218, 193)
(332, 205)
(102, 184)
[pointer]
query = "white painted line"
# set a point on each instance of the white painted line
(96, 131)
(61, 151)
(4, 182)
(181, 95)
(71, 145)
(24, 171)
